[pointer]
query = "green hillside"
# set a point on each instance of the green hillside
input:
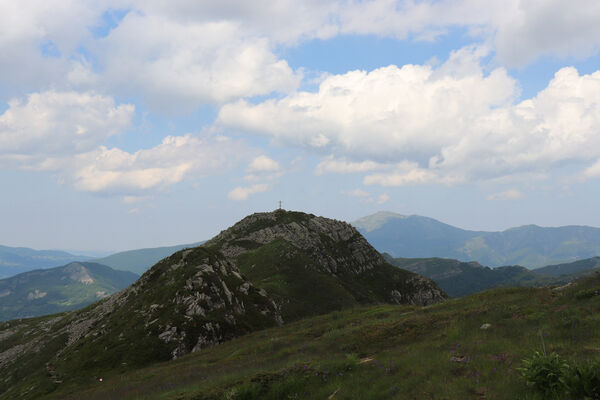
(577, 267)
(15, 260)
(53, 290)
(531, 246)
(378, 352)
(140, 260)
(463, 278)
(267, 270)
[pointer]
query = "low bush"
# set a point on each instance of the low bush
(544, 372)
(553, 377)
(582, 381)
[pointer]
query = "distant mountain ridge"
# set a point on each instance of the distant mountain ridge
(140, 260)
(459, 278)
(53, 290)
(531, 246)
(15, 260)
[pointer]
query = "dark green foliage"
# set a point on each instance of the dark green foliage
(582, 381)
(544, 372)
(587, 293)
(553, 377)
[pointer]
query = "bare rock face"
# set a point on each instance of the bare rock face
(335, 246)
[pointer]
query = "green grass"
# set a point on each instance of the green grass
(380, 352)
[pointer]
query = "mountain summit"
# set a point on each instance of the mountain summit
(531, 246)
(268, 269)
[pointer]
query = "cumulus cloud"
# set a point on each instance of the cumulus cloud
(178, 55)
(448, 124)
(114, 171)
(178, 64)
(54, 123)
(384, 198)
(263, 164)
(593, 171)
(63, 132)
(511, 194)
(332, 164)
(242, 193)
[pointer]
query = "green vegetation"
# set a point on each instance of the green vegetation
(53, 290)
(385, 352)
(553, 378)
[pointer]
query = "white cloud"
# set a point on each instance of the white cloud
(178, 55)
(54, 123)
(450, 124)
(384, 198)
(593, 171)
(241, 193)
(407, 174)
(511, 194)
(178, 64)
(332, 164)
(263, 164)
(114, 171)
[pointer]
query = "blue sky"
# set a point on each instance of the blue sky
(127, 124)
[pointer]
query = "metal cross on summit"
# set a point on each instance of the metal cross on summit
(280, 204)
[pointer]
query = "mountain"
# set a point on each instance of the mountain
(467, 348)
(14, 260)
(459, 278)
(531, 246)
(575, 268)
(140, 260)
(53, 290)
(268, 269)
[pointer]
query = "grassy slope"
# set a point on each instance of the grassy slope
(289, 276)
(381, 352)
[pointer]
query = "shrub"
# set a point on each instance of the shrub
(582, 381)
(544, 372)
(586, 293)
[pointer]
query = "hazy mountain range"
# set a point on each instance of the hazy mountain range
(53, 290)
(530, 246)
(14, 260)
(139, 260)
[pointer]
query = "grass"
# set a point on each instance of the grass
(380, 352)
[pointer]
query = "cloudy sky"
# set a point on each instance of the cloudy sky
(138, 123)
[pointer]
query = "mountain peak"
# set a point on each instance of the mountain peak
(376, 221)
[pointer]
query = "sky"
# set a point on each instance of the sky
(141, 123)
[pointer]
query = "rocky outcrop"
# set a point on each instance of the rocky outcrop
(334, 246)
